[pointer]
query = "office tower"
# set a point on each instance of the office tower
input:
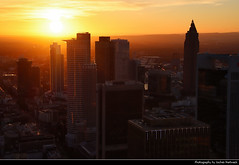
(159, 82)
(104, 60)
(88, 85)
(134, 69)
(191, 48)
(120, 50)
(28, 78)
(35, 81)
(112, 59)
(117, 102)
(24, 77)
(217, 101)
(80, 86)
(56, 69)
(164, 134)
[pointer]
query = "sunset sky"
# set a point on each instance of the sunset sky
(116, 17)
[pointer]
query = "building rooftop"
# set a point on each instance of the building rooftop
(158, 119)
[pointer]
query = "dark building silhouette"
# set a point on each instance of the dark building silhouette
(117, 102)
(28, 79)
(113, 62)
(191, 48)
(104, 60)
(159, 82)
(24, 77)
(164, 134)
(218, 101)
(35, 81)
(134, 68)
(81, 87)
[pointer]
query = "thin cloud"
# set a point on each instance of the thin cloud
(29, 9)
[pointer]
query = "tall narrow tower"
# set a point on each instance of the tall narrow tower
(56, 69)
(191, 48)
(81, 77)
(120, 50)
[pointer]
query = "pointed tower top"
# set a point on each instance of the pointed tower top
(193, 27)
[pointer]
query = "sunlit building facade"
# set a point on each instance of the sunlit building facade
(56, 69)
(120, 52)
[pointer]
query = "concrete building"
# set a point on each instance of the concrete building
(113, 62)
(104, 60)
(159, 82)
(164, 134)
(48, 116)
(117, 102)
(23, 77)
(120, 50)
(28, 79)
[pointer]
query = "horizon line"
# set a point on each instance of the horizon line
(61, 36)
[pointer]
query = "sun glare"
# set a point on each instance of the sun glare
(56, 26)
(56, 19)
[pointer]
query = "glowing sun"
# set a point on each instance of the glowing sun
(54, 16)
(56, 26)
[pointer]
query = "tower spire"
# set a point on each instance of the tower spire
(193, 27)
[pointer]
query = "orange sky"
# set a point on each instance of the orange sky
(116, 17)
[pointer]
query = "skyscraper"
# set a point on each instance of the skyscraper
(112, 59)
(88, 89)
(218, 101)
(28, 79)
(104, 60)
(56, 69)
(80, 79)
(191, 48)
(120, 50)
(35, 81)
(117, 102)
(24, 77)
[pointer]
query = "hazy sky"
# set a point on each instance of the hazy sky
(116, 17)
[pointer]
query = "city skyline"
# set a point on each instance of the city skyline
(119, 79)
(121, 17)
